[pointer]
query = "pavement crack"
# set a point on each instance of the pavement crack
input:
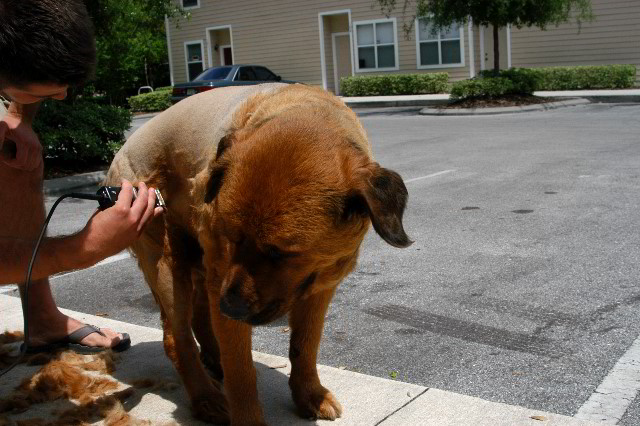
(401, 407)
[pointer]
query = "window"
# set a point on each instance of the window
(440, 49)
(264, 74)
(190, 4)
(219, 73)
(193, 56)
(246, 74)
(377, 48)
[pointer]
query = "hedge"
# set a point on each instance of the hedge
(482, 88)
(158, 100)
(82, 132)
(398, 84)
(586, 77)
(519, 81)
(524, 81)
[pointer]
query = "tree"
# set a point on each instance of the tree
(131, 44)
(497, 13)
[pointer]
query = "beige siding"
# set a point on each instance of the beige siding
(284, 36)
(613, 38)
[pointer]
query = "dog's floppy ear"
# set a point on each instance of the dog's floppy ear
(216, 175)
(217, 170)
(223, 145)
(382, 194)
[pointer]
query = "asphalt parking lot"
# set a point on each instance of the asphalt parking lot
(522, 284)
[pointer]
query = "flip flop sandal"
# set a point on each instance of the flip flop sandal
(72, 342)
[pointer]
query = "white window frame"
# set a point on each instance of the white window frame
(186, 56)
(439, 41)
(189, 7)
(375, 46)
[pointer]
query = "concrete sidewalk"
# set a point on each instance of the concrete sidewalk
(609, 96)
(366, 400)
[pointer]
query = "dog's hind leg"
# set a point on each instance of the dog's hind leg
(201, 323)
(306, 320)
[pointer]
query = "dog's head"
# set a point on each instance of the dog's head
(285, 211)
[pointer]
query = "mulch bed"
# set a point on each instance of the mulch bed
(504, 101)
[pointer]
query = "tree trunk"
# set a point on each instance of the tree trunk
(496, 50)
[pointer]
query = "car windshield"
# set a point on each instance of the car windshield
(214, 74)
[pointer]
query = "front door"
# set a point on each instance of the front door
(342, 55)
(226, 58)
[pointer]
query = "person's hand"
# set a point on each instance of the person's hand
(112, 230)
(28, 155)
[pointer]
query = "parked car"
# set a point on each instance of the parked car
(229, 75)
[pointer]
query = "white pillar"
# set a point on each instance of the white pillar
(168, 34)
(323, 65)
(482, 64)
(472, 55)
(509, 46)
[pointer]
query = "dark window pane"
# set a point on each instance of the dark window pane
(189, 3)
(194, 69)
(429, 54)
(386, 57)
(366, 57)
(451, 52)
(194, 52)
(214, 74)
(263, 74)
(246, 74)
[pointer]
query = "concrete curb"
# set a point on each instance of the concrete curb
(366, 400)
(53, 186)
(147, 115)
(503, 110)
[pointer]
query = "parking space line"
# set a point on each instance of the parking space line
(116, 258)
(608, 403)
(429, 176)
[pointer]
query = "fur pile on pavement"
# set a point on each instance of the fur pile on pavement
(80, 389)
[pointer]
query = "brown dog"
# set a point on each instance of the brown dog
(270, 190)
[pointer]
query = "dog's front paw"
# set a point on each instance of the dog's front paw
(211, 409)
(316, 401)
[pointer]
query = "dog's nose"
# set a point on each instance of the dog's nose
(234, 306)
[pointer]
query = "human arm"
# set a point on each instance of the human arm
(107, 233)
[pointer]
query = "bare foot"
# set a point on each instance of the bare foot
(50, 330)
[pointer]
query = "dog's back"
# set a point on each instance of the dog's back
(184, 137)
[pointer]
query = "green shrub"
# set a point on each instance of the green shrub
(82, 132)
(158, 100)
(586, 77)
(525, 80)
(483, 87)
(395, 84)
